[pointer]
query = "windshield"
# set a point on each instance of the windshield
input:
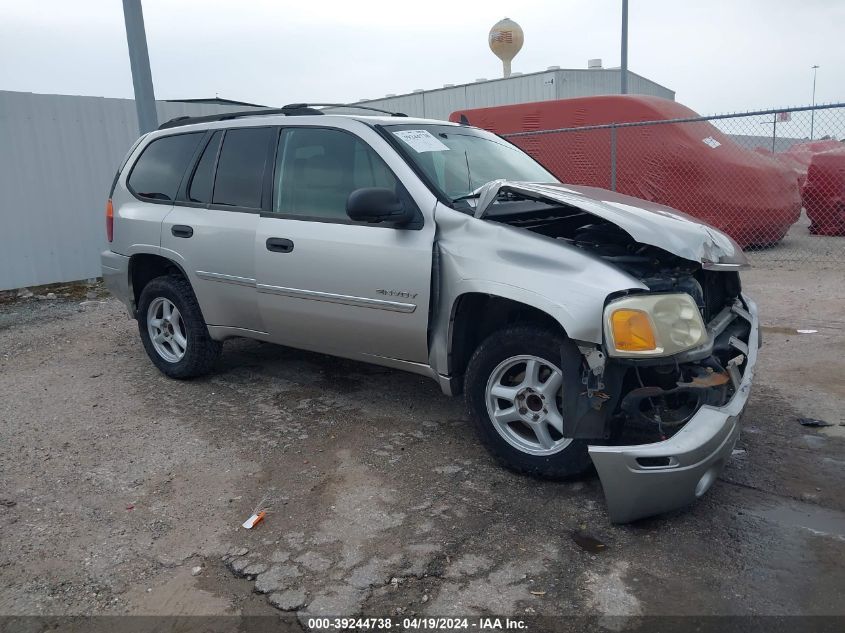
(458, 160)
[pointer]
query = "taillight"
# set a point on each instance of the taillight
(109, 220)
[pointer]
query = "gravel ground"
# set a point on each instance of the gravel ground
(122, 492)
(802, 248)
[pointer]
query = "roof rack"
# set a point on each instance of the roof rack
(292, 109)
(345, 105)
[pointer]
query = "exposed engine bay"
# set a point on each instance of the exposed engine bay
(644, 399)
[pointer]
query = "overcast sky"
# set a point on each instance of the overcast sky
(717, 55)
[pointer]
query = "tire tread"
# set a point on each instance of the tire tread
(203, 351)
(571, 461)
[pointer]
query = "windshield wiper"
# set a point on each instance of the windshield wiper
(503, 195)
(468, 196)
(472, 194)
(500, 195)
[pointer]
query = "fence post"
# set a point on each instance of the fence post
(775, 130)
(613, 157)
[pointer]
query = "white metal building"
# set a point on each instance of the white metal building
(58, 154)
(553, 83)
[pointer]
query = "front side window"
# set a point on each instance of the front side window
(240, 168)
(317, 169)
(158, 172)
(458, 160)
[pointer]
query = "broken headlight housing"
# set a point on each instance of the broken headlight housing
(653, 325)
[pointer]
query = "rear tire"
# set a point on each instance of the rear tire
(513, 390)
(173, 330)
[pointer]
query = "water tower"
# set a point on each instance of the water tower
(506, 38)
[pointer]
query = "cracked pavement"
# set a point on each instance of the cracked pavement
(118, 483)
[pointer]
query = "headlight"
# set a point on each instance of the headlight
(651, 325)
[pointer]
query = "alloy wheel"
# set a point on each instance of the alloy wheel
(524, 402)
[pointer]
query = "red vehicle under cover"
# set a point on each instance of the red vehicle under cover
(692, 167)
(792, 163)
(824, 192)
(804, 152)
(798, 157)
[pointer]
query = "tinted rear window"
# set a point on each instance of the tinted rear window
(203, 181)
(158, 172)
(240, 169)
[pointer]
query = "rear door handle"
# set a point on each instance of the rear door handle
(279, 245)
(181, 230)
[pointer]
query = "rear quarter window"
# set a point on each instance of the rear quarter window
(123, 164)
(160, 168)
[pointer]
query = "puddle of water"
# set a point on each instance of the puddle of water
(819, 521)
(834, 431)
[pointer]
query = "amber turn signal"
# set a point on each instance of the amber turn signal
(632, 331)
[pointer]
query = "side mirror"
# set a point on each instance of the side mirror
(375, 204)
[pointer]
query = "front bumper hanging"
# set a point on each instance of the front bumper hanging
(648, 479)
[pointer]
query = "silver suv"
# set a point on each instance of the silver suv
(580, 325)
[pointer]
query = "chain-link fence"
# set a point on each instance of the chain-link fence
(774, 180)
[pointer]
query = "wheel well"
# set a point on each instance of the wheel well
(144, 267)
(479, 315)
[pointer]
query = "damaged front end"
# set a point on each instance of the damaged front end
(667, 427)
(667, 422)
(663, 426)
(662, 418)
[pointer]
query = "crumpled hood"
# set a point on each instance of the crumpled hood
(647, 222)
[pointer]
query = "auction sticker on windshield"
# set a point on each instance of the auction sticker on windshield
(421, 141)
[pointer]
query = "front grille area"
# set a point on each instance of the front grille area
(720, 289)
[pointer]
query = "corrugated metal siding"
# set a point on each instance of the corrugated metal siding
(58, 155)
(542, 86)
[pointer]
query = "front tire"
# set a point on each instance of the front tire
(513, 388)
(172, 329)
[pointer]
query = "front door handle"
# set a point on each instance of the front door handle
(279, 245)
(181, 230)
